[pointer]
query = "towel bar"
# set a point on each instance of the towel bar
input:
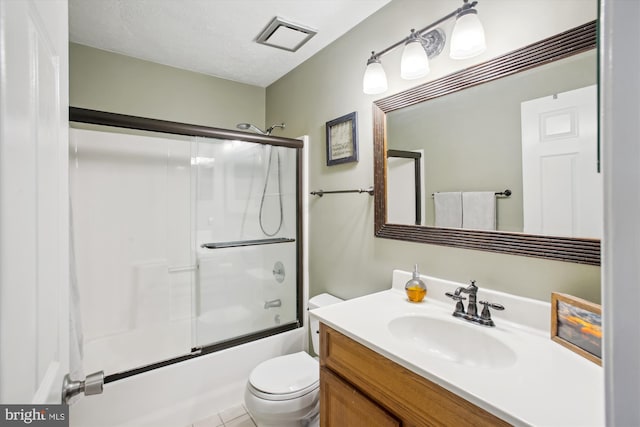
(321, 193)
(505, 193)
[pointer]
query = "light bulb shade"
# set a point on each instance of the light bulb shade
(467, 38)
(375, 79)
(415, 62)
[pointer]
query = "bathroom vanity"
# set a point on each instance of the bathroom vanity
(372, 383)
(388, 362)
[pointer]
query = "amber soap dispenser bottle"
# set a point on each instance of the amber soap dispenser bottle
(415, 288)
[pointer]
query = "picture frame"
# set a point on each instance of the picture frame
(577, 325)
(342, 139)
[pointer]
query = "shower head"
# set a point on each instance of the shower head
(249, 126)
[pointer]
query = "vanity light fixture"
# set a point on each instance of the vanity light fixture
(415, 62)
(467, 40)
(467, 37)
(375, 79)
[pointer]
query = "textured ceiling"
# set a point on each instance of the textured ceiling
(215, 37)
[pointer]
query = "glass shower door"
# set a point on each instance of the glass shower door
(131, 222)
(183, 245)
(246, 240)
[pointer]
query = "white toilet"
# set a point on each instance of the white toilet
(285, 391)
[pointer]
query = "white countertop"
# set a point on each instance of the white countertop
(548, 385)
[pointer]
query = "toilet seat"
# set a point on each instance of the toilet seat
(285, 377)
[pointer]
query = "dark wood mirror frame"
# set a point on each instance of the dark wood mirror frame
(578, 250)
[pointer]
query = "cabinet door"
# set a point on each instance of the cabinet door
(341, 405)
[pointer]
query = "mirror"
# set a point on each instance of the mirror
(473, 141)
(427, 120)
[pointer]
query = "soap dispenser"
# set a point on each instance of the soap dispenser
(415, 288)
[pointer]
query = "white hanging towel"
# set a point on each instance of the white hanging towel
(479, 210)
(448, 209)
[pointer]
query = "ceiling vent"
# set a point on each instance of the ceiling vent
(285, 35)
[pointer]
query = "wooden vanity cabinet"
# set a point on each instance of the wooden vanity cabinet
(361, 388)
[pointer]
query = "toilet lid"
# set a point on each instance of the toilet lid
(291, 375)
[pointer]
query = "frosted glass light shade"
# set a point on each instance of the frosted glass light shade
(467, 38)
(415, 62)
(375, 79)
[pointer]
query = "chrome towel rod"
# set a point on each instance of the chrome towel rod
(321, 193)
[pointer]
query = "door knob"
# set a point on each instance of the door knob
(92, 384)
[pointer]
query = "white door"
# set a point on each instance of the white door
(562, 189)
(34, 230)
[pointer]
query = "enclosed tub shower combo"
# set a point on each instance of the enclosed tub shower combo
(187, 243)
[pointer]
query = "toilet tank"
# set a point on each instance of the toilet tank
(321, 300)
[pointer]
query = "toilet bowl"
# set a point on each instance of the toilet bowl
(284, 391)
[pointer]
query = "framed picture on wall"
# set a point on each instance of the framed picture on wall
(342, 140)
(577, 325)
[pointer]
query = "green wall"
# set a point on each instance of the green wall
(107, 81)
(345, 257)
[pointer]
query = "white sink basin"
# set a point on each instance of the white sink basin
(453, 340)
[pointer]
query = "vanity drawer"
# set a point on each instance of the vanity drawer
(413, 399)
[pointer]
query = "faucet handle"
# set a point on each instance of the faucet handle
(459, 310)
(492, 305)
(485, 316)
(455, 297)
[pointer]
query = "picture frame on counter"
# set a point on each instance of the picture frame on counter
(577, 325)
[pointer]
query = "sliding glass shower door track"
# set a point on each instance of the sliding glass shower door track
(203, 350)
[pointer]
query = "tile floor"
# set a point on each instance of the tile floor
(236, 416)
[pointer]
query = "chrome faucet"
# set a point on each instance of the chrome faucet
(471, 314)
(472, 290)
